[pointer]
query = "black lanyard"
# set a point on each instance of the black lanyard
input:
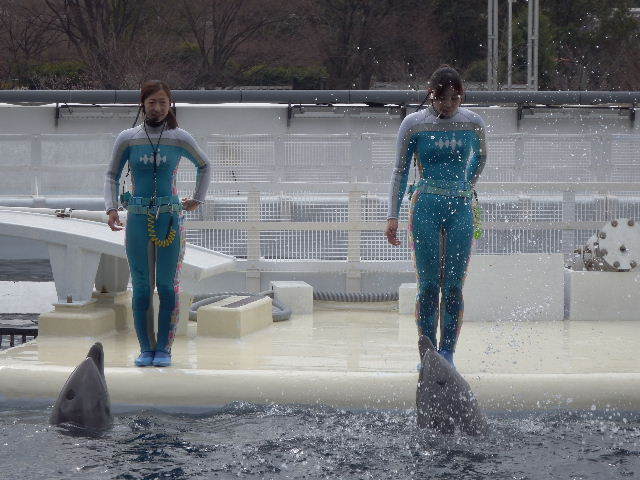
(155, 150)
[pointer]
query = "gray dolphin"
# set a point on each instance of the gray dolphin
(84, 398)
(444, 399)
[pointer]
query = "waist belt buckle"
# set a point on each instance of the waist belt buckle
(153, 205)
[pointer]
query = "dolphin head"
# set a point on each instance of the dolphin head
(444, 399)
(84, 398)
(96, 352)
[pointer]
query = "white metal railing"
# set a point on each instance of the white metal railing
(281, 201)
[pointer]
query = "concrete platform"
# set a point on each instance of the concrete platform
(353, 358)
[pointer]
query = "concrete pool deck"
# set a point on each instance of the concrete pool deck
(351, 357)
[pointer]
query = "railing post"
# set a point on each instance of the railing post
(601, 157)
(36, 162)
(253, 242)
(353, 283)
(611, 206)
(366, 152)
(359, 167)
(568, 215)
(279, 158)
(519, 163)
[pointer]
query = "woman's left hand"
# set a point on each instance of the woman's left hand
(189, 204)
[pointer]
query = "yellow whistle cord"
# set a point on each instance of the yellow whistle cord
(151, 229)
(151, 220)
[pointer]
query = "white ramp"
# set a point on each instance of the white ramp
(77, 247)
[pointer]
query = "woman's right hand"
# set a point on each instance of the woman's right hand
(114, 221)
(392, 232)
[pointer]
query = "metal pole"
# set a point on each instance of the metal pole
(510, 47)
(489, 43)
(492, 44)
(495, 45)
(529, 44)
(536, 41)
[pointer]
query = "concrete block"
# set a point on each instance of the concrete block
(229, 318)
(521, 287)
(602, 296)
(120, 302)
(298, 296)
(80, 320)
(407, 298)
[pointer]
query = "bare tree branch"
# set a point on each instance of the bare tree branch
(105, 34)
(220, 28)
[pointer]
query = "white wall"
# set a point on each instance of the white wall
(514, 288)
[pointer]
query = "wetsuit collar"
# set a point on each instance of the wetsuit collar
(153, 127)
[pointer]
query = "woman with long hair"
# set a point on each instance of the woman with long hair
(155, 235)
(447, 143)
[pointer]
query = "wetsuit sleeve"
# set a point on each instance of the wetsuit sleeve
(112, 179)
(479, 158)
(405, 145)
(199, 158)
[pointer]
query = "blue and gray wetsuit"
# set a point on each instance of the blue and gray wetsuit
(153, 265)
(450, 154)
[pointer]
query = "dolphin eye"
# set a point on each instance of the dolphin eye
(442, 383)
(71, 395)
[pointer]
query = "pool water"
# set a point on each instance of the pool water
(26, 271)
(21, 271)
(278, 441)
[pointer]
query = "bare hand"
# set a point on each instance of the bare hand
(114, 221)
(189, 204)
(392, 232)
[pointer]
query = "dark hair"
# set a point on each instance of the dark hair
(443, 78)
(153, 86)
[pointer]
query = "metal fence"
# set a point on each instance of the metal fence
(287, 200)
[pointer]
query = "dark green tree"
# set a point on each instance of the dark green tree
(463, 24)
(588, 38)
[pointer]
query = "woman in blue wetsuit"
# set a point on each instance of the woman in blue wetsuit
(447, 143)
(155, 236)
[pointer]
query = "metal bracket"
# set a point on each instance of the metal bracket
(57, 113)
(289, 115)
(522, 110)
